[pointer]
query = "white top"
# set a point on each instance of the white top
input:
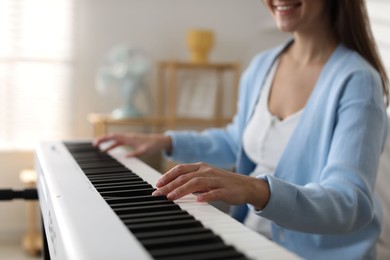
(265, 138)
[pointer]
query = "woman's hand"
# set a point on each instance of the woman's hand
(142, 144)
(212, 184)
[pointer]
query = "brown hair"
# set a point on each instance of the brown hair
(350, 21)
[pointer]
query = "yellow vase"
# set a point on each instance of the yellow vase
(200, 42)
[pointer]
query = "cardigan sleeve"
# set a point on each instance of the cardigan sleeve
(337, 199)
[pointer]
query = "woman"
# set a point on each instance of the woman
(306, 140)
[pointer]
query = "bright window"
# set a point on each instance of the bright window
(378, 11)
(36, 71)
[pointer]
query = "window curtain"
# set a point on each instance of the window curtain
(36, 71)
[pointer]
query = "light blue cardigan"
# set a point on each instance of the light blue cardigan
(321, 200)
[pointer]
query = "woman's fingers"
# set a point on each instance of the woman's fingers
(101, 140)
(117, 141)
(180, 181)
(208, 188)
(212, 184)
(142, 144)
(212, 195)
(188, 186)
(189, 178)
(112, 146)
(176, 172)
(138, 151)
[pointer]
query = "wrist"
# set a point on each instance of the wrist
(167, 144)
(259, 193)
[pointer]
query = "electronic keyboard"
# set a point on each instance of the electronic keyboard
(98, 205)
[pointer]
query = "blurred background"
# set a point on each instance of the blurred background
(51, 52)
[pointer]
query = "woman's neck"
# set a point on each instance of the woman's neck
(314, 47)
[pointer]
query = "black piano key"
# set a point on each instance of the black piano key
(121, 187)
(225, 254)
(127, 180)
(77, 143)
(122, 184)
(192, 241)
(133, 201)
(113, 176)
(128, 193)
(106, 170)
(82, 148)
(93, 158)
(160, 212)
(106, 179)
(90, 166)
(188, 223)
(87, 152)
(144, 209)
(114, 201)
(183, 240)
(117, 184)
(171, 232)
(92, 155)
(80, 143)
(105, 174)
(191, 249)
(141, 203)
(97, 160)
(90, 158)
(156, 219)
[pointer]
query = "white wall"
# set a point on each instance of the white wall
(13, 214)
(242, 29)
(159, 27)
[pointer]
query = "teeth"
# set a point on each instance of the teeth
(284, 7)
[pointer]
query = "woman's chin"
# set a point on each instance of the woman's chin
(285, 28)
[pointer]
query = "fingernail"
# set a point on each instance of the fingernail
(172, 195)
(159, 183)
(200, 198)
(156, 193)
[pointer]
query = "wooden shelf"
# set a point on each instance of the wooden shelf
(108, 119)
(102, 122)
(207, 66)
(166, 116)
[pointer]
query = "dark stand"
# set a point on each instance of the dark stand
(26, 194)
